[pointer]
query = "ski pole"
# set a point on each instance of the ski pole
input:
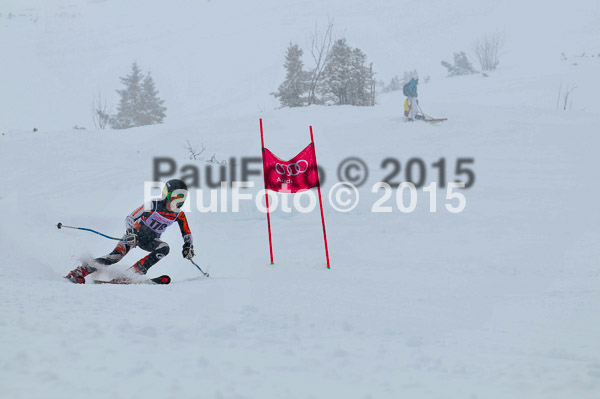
(424, 114)
(194, 263)
(60, 225)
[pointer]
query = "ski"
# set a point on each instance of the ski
(161, 280)
(426, 119)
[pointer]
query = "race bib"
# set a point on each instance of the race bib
(157, 222)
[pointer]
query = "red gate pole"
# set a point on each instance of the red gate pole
(320, 201)
(262, 143)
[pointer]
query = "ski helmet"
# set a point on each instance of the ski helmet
(175, 190)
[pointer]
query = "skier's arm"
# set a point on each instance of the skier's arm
(132, 226)
(186, 233)
(132, 221)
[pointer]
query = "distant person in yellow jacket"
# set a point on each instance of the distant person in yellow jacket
(411, 104)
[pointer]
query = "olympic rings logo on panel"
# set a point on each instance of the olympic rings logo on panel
(292, 169)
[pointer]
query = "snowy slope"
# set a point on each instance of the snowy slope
(498, 301)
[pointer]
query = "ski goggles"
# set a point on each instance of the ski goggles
(175, 197)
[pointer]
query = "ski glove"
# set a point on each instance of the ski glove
(188, 251)
(131, 238)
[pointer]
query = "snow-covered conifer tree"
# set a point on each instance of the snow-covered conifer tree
(152, 109)
(292, 92)
(336, 76)
(139, 104)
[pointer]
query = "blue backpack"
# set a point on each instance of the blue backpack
(410, 89)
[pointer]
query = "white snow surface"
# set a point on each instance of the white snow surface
(499, 301)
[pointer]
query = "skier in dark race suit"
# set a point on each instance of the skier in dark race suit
(144, 227)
